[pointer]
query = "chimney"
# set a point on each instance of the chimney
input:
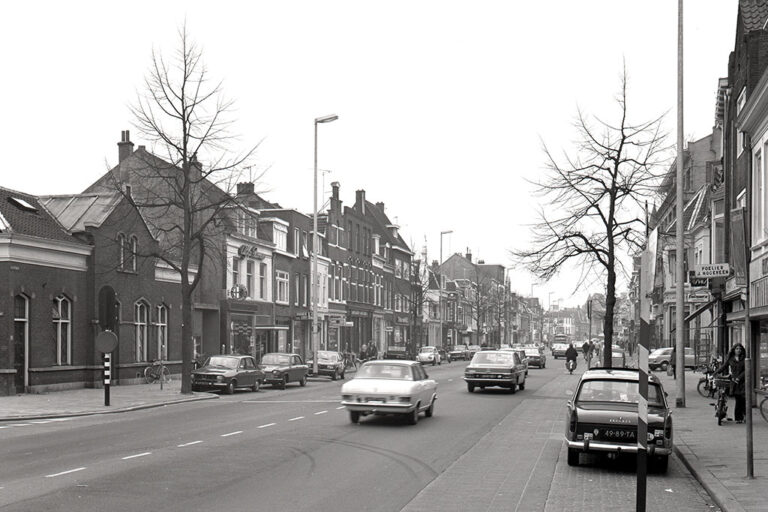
(244, 189)
(335, 202)
(481, 262)
(335, 187)
(360, 201)
(125, 146)
(196, 168)
(469, 255)
(381, 206)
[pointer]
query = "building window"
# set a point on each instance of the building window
(140, 310)
(162, 332)
(247, 223)
(235, 271)
(250, 281)
(296, 240)
(133, 254)
(62, 325)
(263, 281)
(121, 248)
(21, 328)
(280, 236)
(297, 289)
(305, 295)
(281, 278)
(758, 199)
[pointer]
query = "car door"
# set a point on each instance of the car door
(253, 372)
(517, 367)
(244, 374)
(423, 390)
(297, 368)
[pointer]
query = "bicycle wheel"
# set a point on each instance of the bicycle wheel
(702, 388)
(150, 375)
(764, 408)
(166, 374)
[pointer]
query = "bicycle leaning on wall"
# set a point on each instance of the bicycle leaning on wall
(156, 372)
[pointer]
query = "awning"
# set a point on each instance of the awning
(699, 311)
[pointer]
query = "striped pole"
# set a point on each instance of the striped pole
(107, 377)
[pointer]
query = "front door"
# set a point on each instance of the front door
(20, 355)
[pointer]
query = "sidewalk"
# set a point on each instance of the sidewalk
(81, 402)
(716, 455)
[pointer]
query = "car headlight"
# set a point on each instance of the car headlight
(219, 378)
(275, 372)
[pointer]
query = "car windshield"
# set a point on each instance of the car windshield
(532, 352)
(493, 358)
(328, 357)
(224, 362)
(384, 371)
(427, 349)
(596, 390)
(660, 351)
(278, 359)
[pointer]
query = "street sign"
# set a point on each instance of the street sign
(697, 281)
(712, 270)
(703, 296)
(336, 321)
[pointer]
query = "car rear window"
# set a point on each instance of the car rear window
(493, 358)
(276, 359)
(384, 371)
(611, 390)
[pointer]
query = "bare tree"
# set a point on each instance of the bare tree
(186, 119)
(599, 191)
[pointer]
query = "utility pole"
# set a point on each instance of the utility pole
(679, 231)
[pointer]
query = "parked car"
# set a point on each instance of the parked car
(601, 417)
(428, 355)
(329, 363)
(459, 352)
(500, 368)
(618, 357)
(472, 349)
(397, 352)
(558, 349)
(660, 358)
(227, 373)
(444, 355)
(536, 357)
(390, 387)
(281, 369)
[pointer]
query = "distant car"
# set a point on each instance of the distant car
(281, 369)
(500, 368)
(521, 354)
(388, 386)
(660, 358)
(618, 357)
(558, 349)
(601, 417)
(444, 355)
(397, 352)
(536, 357)
(428, 355)
(459, 352)
(472, 349)
(227, 373)
(329, 363)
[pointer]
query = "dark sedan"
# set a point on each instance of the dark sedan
(281, 369)
(329, 363)
(601, 417)
(495, 368)
(536, 357)
(227, 373)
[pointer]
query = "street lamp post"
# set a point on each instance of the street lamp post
(440, 294)
(315, 245)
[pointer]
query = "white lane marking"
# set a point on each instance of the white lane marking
(296, 418)
(143, 454)
(40, 422)
(61, 419)
(342, 407)
(21, 425)
(65, 472)
(4, 426)
(450, 380)
(267, 425)
(188, 444)
(232, 433)
(289, 401)
(320, 412)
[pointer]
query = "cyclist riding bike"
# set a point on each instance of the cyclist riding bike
(570, 357)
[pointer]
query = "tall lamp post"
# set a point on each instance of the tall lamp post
(440, 295)
(315, 245)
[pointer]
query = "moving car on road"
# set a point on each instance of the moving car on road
(329, 363)
(459, 352)
(558, 349)
(601, 417)
(390, 387)
(536, 357)
(500, 368)
(227, 373)
(472, 350)
(281, 369)
(428, 355)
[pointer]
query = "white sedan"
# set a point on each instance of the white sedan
(387, 386)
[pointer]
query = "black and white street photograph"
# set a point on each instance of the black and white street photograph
(402, 256)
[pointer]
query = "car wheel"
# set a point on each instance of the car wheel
(434, 362)
(573, 457)
(413, 416)
(429, 412)
(256, 385)
(661, 463)
(522, 385)
(334, 376)
(284, 382)
(303, 381)
(230, 389)
(664, 366)
(470, 387)
(354, 416)
(342, 375)
(513, 388)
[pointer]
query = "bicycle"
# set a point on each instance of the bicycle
(722, 385)
(764, 401)
(351, 362)
(157, 371)
(706, 386)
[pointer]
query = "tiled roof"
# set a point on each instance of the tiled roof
(383, 221)
(31, 220)
(75, 211)
(754, 14)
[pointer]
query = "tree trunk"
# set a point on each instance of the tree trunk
(610, 302)
(186, 338)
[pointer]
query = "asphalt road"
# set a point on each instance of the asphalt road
(296, 450)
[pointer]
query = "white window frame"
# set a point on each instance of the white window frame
(250, 281)
(141, 330)
(280, 236)
(296, 240)
(63, 326)
(134, 253)
(162, 331)
(25, 330)
(282, 280)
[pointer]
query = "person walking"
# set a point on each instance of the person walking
(586, 347)
(734, 366)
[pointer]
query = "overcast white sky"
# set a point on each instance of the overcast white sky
(441, 104)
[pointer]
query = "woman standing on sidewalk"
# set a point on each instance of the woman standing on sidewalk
(734, 363)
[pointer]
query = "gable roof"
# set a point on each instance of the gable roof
(75, 211)
(382, 221)
(754, 14)
(23, 214)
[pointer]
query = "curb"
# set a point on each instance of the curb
(716, 490)
(112, 411)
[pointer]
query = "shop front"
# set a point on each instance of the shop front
(250, 328)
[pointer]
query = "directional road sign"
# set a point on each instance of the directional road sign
(712, 270)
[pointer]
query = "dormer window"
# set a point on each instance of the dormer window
(247, 223)
(22, 204)
(280, 236)
(376, 244)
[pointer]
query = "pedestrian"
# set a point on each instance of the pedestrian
(373, 352)
(586, 347)
(364, 352)
(734, 365)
